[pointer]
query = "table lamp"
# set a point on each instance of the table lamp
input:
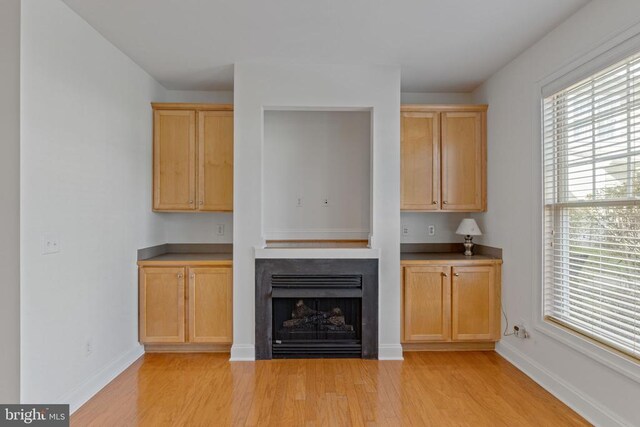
(468, 228)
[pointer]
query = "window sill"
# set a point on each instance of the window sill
(602, 354)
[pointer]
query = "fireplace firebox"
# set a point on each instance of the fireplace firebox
(316, 308)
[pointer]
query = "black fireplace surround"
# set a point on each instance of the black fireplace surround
(316, 308)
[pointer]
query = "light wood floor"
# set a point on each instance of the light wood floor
(427, 389)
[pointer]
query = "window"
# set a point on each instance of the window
(591, 133)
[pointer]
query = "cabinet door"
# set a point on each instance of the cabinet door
(427, 304)
(419, 168)
(210, 305)
(174, 160)
(463, 161)
(474, 303)
(162, 314)
(215, 158)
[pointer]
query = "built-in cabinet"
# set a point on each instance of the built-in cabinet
(185, 305)
(192, 157)
(457, 302)
(443, 158)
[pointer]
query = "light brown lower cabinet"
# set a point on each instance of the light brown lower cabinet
(185, 305)
(451, 304)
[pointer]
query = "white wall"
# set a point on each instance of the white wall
(417, 225)
(602, 394)
(86, 177)
(260, 86)
(314, 155)
(435, 98)
(197, 227)
(197, 96)
(10, 205)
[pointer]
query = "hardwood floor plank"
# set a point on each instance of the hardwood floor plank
(427, 389)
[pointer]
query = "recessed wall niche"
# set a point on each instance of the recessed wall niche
(317, 174)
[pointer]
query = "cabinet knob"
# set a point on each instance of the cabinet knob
(444, 202)
(193, 276)
(180, 276)
(444, 275)
(190, 202)
(456, 274)
(201, 202)
(435, 202)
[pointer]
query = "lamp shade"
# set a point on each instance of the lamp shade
(468, 227)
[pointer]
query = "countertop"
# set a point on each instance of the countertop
(408, 258)
(179, 259)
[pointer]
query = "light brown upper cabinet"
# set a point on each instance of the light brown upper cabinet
(192, 157)
(443, 158)
(420, 160)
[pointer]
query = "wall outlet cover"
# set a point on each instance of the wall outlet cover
(50, 243)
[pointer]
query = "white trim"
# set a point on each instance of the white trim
(324, 253)
(89, 388)
(597, 352)
(390, 352)
(331, 234)
(243, 353)
(591, 410)
(599, 57)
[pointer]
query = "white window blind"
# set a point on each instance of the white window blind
(591, 134)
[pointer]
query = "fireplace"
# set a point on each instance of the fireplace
(316, 308)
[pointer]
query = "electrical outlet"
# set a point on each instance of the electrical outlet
(520, 331)
(325, 202)
(88, 347)
(220, 229)
(405, 230)
(432, 230)
(299, 202)
(50, 243)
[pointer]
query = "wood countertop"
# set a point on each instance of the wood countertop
(188, 259)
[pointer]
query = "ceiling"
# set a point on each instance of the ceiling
(441, 46)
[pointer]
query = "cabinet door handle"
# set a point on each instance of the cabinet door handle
(444, 202)
(190, 202)
(456, 274)
(444, 275)
(201, 202)
(193, 276)
(435, 202)
(180, 276)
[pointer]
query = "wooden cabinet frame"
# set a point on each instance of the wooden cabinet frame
(196, 202)
(453, 338)
(440, 170)
(218, 303)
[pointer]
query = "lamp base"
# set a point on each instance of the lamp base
(468, 245)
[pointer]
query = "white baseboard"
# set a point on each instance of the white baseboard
(85, 391)
(243, 353)
(591, 410)
(390, 352)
